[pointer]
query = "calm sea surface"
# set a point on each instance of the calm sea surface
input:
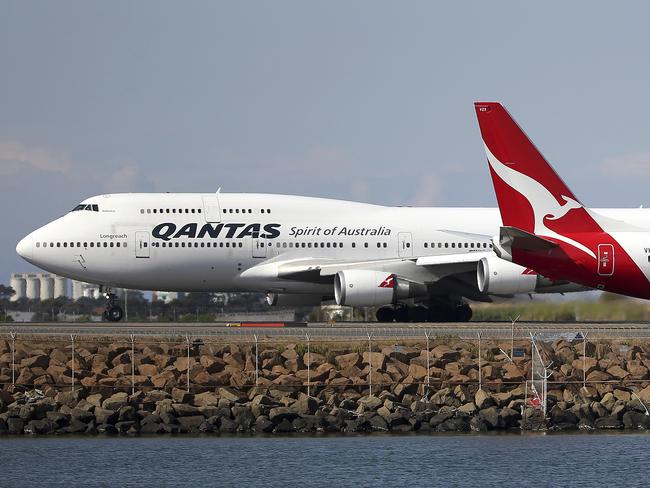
(375, 460)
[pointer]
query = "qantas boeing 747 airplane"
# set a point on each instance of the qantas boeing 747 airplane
(547, 229)
(417, 264)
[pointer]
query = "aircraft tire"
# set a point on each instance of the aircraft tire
(385, 314)
(114, 314)
(418, 313)
(402, 314)
(463, 313)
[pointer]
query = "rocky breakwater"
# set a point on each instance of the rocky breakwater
(227, 396)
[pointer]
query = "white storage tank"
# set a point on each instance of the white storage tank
(19, 284)
(33, 291)
(60, 287)
(47, 287)
(77, 290)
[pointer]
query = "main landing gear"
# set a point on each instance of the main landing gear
(113, 312)
(458, 312)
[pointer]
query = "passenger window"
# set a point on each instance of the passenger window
(58, 244)
(124, 244)
(329, 244)
(241, 244)
(106, 244)
(142, 210)
(117, 244)
(155, 210)
(38, 244)
(453, 244)
(262, 210)
(365, 244)
(198, 210)
(113, 244)
(148, 210)
(334, 244)
(268, 210)
(354, 244)
(385, 245)
(378, 244)
(426, 245)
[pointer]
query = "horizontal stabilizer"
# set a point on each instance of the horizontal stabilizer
(513, 238)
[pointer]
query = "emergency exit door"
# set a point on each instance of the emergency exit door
(259, 248)
(141, 244)
(405, 244)
(605, 259)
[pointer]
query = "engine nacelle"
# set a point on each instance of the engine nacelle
(498, 277)
(363, 288)
(293, 300)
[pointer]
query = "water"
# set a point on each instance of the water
(535, 460)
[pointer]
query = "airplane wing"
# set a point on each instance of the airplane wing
(444, 274)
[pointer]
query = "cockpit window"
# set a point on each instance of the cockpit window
(93, 207)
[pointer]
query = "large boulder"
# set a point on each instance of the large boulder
(347, 360)
(482, 399)
(116, 401)
(206, 399)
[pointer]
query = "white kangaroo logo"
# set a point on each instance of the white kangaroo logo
(544, 204)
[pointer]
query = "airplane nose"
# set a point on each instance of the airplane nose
(25, 248)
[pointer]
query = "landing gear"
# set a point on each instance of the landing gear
(113, 312)
(418, 313)
(435, 312)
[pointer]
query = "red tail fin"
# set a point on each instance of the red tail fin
(531, 195)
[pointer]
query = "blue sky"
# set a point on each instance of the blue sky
(368, 100)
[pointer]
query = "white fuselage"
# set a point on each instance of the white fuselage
(210, 242)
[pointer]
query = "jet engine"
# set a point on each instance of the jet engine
(498, 277)
(360, 287)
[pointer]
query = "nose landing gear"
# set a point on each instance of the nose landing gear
(113, 312)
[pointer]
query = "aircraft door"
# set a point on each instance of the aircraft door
(259, 248)
(211, 208)
(605, 259)
(142, 244)
(405, 244)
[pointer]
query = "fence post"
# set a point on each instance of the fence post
(132, 364)
(480, 366)
(72, 338)
(512, 337)
(427, 334)
(257, 377)
(308, 367)
(187, 339)
(13, 358)
(584, 361)
(370, 363)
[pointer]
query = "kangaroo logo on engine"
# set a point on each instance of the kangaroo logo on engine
(389, 282)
